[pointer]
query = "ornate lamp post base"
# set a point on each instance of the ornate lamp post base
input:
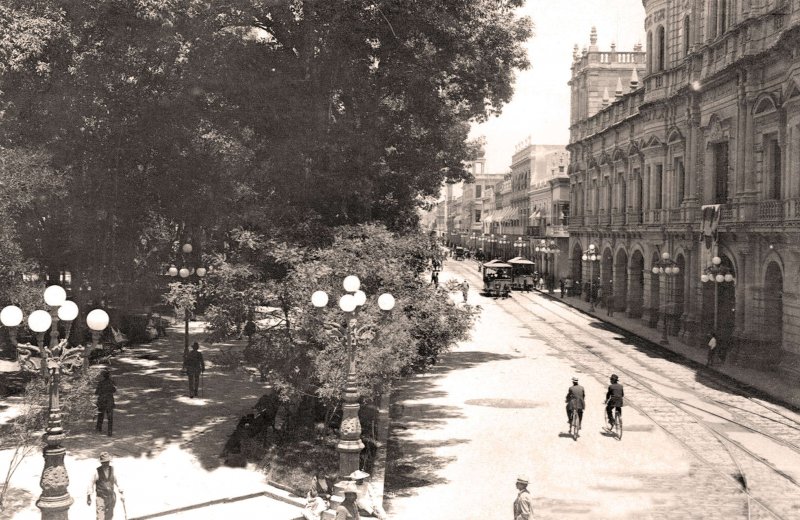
(55, 500)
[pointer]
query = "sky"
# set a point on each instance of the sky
(540, 106)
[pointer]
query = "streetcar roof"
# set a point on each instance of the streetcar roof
(520, 260)
(494, 264)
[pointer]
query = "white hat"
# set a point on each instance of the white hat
(336, 498)
(522, 479)
(358, 475)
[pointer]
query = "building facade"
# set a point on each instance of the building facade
(700, 160)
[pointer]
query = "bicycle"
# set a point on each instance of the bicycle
(616, 428)
(575, 423)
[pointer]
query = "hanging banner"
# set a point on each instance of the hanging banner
(708, 238)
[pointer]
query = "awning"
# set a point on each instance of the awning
(536, 214)
(520, 261)
(507, 214)
(489, 217)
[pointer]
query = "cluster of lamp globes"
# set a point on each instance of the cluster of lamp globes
(39, 320)
(354, 298)
(184, 272)
(544, 247)
(669, 269)
(590, 255)
(718, 277)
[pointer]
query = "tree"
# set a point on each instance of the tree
(195, 117)
(302, 352)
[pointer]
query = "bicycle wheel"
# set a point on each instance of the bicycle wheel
(618, 424)
(575, 425)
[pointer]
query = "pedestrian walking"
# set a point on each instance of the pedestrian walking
(103, 483)
(105, 401)
(435, 279)
(610, 304)
(195, 366)
(465, 290)
(561, 286)
(712, 347)
(523, 504)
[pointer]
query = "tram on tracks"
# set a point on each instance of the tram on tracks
(496, 278)
(522, 273)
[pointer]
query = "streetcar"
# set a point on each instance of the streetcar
(496, 278)
(522, 273)
(459, 253)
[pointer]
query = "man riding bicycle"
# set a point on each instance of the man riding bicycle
(614, 399)
(576, 397)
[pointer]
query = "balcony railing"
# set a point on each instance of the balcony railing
(770, 210)
(676, 215)
(591, 220)
(576, 220)
(557, 231)
(618, 219)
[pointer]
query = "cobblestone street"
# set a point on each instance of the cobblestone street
(494, 408)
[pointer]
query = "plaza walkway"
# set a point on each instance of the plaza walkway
(166, 446)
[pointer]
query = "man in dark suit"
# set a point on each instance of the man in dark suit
(105, 402)
(195, 365)
(576, 400)
(614, 399)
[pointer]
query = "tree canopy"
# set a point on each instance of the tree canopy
(182, 119)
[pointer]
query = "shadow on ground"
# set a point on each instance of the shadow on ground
(153, 409)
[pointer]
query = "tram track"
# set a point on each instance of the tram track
(688, 428)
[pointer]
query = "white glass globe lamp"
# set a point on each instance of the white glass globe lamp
(319, 299)
(386, 302)
(68, 311)
(11, 316)
(55, 295)
(347, 303)
(351, 283)
(97, 320)
(39, 321)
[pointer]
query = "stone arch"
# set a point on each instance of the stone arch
(636, 284)
(773, 305)
(719, 303)
(655, 292)
(619, 155)
(607, 271)
(679, 293)
(621, 280)
(577, 252)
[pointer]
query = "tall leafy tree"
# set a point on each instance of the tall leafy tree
(187, 118)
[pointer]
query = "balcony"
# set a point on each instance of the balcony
(618, 218)
(604, 219)
(591, 220)
(558, 231)
(770, 210)
(634, 216)
(576, 220)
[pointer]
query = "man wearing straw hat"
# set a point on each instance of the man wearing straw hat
(523, 505)
(367, 502)
(346, 508)
(103, 483)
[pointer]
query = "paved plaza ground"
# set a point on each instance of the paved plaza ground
(166, 446)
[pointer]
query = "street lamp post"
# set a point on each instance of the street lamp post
(590, 255)
(186, 272)
(547, 249)
(492, 241)
(504, 241)
(518, 245)
(669, 268)
(350, 444)
(56, 359)
(717, 273)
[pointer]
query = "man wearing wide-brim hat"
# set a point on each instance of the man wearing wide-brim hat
(523, 505)
(346, 509)
(368, 501)
(103, 483)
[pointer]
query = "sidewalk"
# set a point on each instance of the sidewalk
(771, 383)
(166, 446)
